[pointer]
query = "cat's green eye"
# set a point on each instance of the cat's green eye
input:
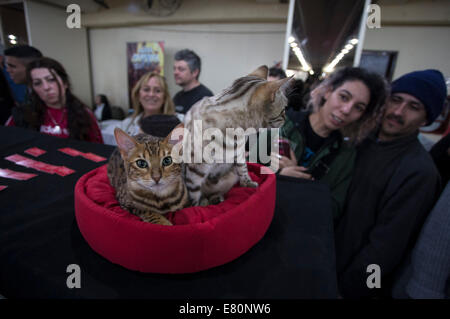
(167, 161)
(141, 163)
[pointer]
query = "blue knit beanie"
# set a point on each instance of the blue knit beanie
(428, 86)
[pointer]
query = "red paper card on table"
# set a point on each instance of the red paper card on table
(44, 167)
(35, 151)
(40, 166)
(70, 151)
(64, 171)
(93, 157)
(27, 162)
(16, 158)
(7, 173)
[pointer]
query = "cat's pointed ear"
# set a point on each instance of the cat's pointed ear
(176, 135)
(272, 87)
(287, 84)
(125, 142)
(261, 72)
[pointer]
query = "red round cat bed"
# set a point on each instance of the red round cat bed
(201, 238)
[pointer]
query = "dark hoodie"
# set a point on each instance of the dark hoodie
(394, 187)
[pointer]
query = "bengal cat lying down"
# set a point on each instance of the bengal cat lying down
(148, 182)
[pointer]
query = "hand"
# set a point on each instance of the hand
(284, 161)
(296, 171)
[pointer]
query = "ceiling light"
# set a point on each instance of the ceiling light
(311, 72)
(300, 57)
(349, 46)
(354, 41)
(291, 39)
(12, 41)
(12, 36)
(328, 69)
(345, 51)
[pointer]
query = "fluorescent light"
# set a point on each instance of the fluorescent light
(354, 41)
(300, 57)
(328, 69)
(291, 39)
(345, 51)
(293, 44)
(12, 36)
(349, 47)
(13, 41)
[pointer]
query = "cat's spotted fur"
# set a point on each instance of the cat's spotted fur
(148, 182)
(251, 102)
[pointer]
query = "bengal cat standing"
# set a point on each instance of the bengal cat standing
(250, 102)
(147, 180)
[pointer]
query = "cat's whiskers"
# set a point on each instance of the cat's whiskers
(151, 184)
(144, 186)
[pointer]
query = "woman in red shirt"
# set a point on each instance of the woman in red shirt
(53, 109)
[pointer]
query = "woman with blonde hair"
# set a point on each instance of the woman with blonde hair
(149, 96)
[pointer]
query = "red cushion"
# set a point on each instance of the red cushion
(201, 238)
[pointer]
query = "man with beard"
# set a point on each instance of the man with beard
(394, 187)
(186, 71)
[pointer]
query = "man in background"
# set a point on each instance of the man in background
(16, 60)
(6, 98)
(275, 74)
(186, 71)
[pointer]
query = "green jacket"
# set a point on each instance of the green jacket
(336, 174)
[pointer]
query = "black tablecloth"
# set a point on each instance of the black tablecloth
(39, 238)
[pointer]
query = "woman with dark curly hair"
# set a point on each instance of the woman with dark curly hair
(341, 112)
(54, 109)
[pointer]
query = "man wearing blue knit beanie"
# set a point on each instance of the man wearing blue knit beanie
(394, 186)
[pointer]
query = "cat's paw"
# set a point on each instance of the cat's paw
(216, 199)
(248, 183)
(156, 219)
(164, 221)
(204, 202)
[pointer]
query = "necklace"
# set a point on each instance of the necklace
(57, 128)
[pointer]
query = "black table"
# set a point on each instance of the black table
(39, 238)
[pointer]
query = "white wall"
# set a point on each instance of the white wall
(418, 47)
(227, 51)
(48, 32)
(418, 29)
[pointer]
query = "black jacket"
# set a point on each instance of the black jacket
(184, 100)
(441, 158)
(394, 187)
(6, 99)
